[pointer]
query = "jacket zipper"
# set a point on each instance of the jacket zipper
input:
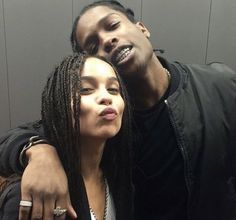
(184, 155)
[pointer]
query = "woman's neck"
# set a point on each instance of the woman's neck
(91, 155)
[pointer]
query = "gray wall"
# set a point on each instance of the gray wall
(34, 36)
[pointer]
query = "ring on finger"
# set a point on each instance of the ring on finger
(26, 203)
(58, 211)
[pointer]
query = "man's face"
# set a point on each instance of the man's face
(109, 33)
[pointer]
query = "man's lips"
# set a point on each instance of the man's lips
(120, 54)
(109, 113)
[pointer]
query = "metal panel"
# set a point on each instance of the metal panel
(135, 5)
(37, 34)
(222, 35)
(78, 5)
(179, 27)
(4, 101)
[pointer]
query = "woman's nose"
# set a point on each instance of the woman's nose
(105, 98)
(105, 101)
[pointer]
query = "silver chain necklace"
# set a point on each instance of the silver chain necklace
(106, 202)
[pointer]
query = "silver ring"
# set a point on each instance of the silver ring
(58, 211)
(26, 203)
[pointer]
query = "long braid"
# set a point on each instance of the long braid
(60, 115)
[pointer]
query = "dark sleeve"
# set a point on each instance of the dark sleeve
(9, 201)
(11, 144)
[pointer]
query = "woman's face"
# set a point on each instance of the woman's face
(101, 103)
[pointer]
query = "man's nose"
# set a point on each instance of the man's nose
(109, 44)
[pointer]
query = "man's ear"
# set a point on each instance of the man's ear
(144, 30)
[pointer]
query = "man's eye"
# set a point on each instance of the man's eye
(113, 25)
(92, 49)
(85, 91)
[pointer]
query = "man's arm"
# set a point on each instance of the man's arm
(44, 181)
(11, 144)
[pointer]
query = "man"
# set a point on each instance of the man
(184, 164)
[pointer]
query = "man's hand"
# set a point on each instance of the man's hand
(44, 182)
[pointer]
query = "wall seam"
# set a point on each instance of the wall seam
(6, 60)
(208, 32)
(72, 12)
(141, 11)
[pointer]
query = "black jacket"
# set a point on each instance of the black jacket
(203, 115)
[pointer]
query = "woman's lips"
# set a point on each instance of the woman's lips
(109, 114)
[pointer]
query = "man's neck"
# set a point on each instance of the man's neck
(146, 89)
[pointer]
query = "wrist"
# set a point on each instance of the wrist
(40, 151)
(25, 153)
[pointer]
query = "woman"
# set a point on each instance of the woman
(86, 114)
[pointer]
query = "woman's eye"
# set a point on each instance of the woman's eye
(114, 91)
(85, 91)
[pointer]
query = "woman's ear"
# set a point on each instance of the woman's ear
(143, 29)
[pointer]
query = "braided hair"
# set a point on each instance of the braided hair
(60, 118)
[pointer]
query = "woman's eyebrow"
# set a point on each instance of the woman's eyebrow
(113, 79)
(93, 79)
(90, 79)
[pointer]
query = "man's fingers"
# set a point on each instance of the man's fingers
(49, 205)
(25, 208)
(24, 213)
(62, 205)
(71, 212)
(37, 209)
(60, 213)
